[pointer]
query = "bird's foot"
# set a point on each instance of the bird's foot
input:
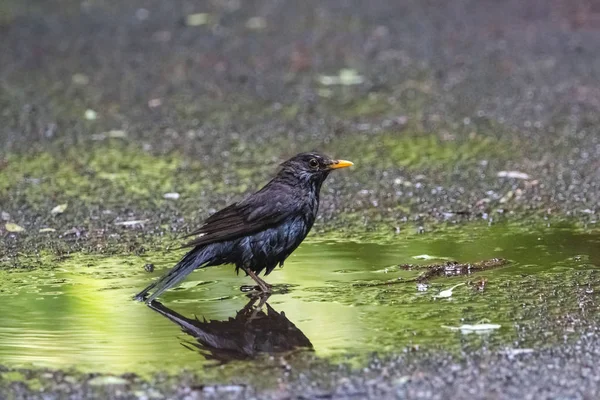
(262, 285)
(265, 287)
(256, 291)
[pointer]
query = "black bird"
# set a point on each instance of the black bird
(255, 330)
(259, 232)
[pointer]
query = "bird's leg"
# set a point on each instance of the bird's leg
(263, 286)
(263, 299)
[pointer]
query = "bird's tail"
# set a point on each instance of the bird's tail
(192, 260)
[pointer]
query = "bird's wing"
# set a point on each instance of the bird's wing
(258, 212)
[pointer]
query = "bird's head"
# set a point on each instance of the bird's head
(312, 167)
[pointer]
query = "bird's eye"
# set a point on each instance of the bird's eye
(313, 163)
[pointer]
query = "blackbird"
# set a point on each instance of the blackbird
(259, 232)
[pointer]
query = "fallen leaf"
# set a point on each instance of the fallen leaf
(10, 227)
(513, 174)
(197, 19)
(153, 103)
(59, 209)
(116, 133)
(256, 23)
(350, 77)
(80, 79)
(346, 76)
(90, 115)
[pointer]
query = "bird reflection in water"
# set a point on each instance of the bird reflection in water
(256, 330)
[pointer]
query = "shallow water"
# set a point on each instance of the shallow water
(80, 314)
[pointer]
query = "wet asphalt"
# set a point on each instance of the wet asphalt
(512, 84)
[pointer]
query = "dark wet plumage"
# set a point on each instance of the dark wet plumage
(255, 330)
(261, 231)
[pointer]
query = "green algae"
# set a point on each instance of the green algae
(114, 177)
(371, 106)
(87, 173)
(113, 172)
(426, 152)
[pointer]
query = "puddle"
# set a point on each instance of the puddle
(80, 314)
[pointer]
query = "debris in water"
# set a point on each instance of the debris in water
(447, 293)
(480, 284)
(149, 267)
(422, 287)
(453, 268)
(448, 269)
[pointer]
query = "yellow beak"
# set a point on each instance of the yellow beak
(341, 164)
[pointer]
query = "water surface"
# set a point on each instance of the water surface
(80, 314)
